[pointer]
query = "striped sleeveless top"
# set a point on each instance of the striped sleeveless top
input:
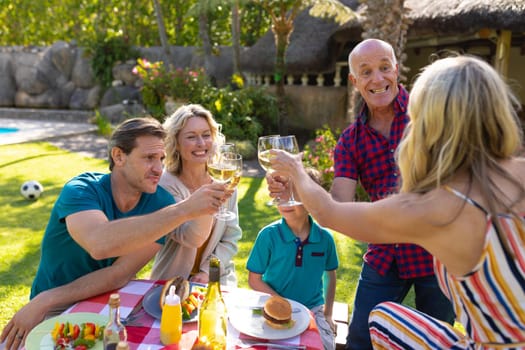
(490, 300)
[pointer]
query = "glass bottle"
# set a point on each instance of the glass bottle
(171, 319)
(114, 331)
(212, 313)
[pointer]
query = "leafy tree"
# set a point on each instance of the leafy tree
(236, 31)
(162, 31)
(282, 14)
(255, 22)
(387, 20)
(29, 22)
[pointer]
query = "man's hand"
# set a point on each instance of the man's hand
(206, 200)
(16, 330)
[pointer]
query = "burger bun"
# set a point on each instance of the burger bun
(277, 312)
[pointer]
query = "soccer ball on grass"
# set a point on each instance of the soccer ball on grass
(31, 189)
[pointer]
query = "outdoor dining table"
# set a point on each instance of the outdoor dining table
(143, 332)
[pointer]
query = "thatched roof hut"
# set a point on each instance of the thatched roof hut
(316, 44)
(447, 17)
(312, 48)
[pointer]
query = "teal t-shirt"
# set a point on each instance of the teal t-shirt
(63, 260)
(294, 273)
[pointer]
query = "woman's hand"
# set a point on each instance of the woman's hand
(201, 277)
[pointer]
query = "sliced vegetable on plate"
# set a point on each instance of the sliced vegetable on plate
(191, 304)
(76, 336)
(77, 331)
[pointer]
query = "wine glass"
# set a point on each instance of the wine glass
(224, 168)
(264, 145)
(237, 160)
(290, 145)
(227, 147)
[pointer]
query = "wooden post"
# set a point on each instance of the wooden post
(501, 61)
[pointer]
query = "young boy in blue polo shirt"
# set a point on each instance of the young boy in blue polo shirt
(289, 258)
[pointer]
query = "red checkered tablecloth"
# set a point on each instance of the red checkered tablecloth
(147, 336)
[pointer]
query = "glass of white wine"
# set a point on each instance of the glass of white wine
(264, 145)
(290, 145)
(225, 168)
(237, 160)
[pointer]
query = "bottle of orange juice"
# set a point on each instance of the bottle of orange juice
(171, 319)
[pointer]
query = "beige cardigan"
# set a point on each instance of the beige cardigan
(177, 255)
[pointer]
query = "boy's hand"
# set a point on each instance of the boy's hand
(277, 186)
(332, 324)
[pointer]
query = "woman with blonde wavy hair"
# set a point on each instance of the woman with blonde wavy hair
(462, 199)
(192, 135)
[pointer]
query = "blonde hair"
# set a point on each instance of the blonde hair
(175, 123)
(462, 116)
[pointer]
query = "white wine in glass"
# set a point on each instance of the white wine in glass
(224, 168)
(290, 145)
(220, 172)
(237, 160)
(264, 145)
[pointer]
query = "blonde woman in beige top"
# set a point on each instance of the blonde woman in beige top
(192, 136)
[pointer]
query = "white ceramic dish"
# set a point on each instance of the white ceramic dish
(245, 320)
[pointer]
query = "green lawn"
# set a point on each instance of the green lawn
(22, 222)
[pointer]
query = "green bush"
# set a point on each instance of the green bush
(241, 112)
(233, 110)
(245, 113)
(320, 154)
(264, 108)
(104, 126)
(105, 51)
(170, 82)
(245, 148)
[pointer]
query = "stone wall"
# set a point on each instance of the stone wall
(57, 77)
(60, 77)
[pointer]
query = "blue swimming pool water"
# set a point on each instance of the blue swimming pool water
(8, 130)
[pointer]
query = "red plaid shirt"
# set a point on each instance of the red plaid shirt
(362, 153)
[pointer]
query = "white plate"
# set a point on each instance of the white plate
(151, 305)
(246, 321)
(40, 337)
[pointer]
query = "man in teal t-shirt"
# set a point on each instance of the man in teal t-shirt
(105, 227)
(63, 259)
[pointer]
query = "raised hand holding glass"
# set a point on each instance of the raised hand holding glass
(264, 145)
(290, 145)
(225, 168)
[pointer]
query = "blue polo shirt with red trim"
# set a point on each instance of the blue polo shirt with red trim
(294, 269)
